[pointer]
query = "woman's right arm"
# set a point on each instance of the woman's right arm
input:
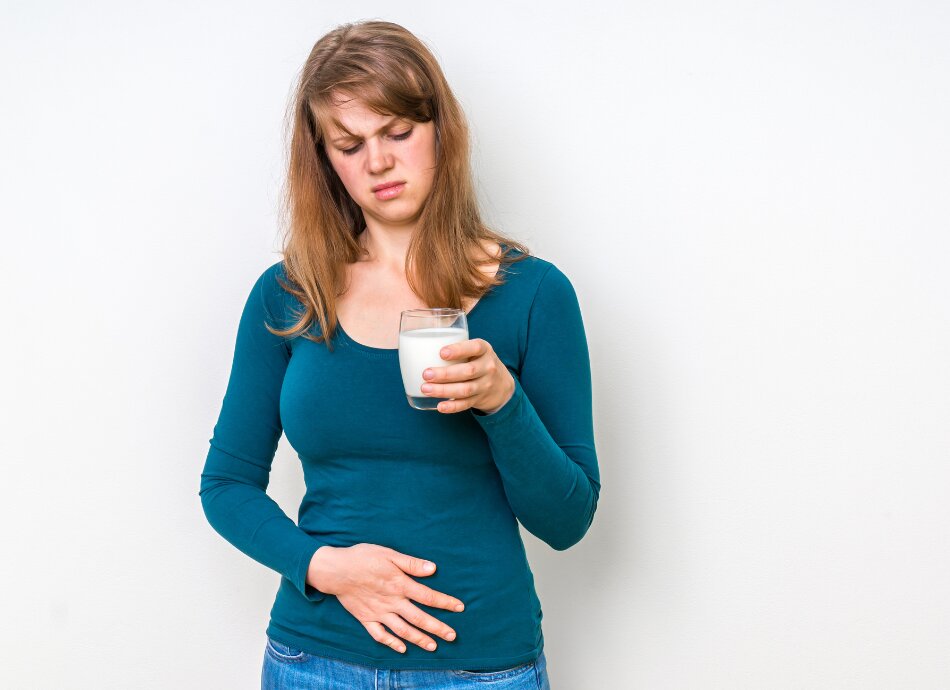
(237, 468)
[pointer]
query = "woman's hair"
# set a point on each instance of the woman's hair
(393, 73)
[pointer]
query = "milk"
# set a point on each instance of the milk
(419, 350)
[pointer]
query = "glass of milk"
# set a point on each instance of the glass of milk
(422, 335)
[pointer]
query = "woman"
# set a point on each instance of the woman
(383, 218)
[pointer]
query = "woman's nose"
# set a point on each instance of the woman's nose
(378, 156)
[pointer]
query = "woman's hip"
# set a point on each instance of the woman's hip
(289, 668)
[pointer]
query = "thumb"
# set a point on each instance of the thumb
(412, 565)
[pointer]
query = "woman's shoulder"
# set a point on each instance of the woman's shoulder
(268, 281)
(270, 288)
(274, 271)
(534, 271)
(523, 263)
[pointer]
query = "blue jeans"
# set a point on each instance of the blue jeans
(288, 668)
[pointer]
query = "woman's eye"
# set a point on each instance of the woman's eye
(398, 137)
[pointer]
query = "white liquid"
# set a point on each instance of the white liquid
(419, 349)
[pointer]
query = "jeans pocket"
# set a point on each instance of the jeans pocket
(285, 652)
(496, 675)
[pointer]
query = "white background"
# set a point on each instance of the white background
(751, 200)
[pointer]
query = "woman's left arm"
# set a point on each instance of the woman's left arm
(542, 437)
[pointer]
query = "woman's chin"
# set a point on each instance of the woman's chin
(393, 217)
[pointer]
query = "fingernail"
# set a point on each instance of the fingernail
(428, 567)
(426, 388)
(460, 607)
(450, 636)
(446, 353)
(427, 374)
(431, 646)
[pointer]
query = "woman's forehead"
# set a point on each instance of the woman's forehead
(352, 117)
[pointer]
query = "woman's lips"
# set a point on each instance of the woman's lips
(389, 192)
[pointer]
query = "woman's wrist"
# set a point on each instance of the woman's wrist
(511, 392)
(319, 568)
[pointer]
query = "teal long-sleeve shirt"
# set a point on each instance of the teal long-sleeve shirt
(449, 488)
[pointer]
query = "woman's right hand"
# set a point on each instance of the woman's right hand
(371, 582)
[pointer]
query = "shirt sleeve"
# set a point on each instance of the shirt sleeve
(542, 439)
(234, 482)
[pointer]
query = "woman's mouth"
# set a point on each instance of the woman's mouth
(390, 191)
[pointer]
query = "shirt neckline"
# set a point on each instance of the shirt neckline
(390, 351)
(394, 351)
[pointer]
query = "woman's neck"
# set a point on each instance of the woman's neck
(386, 248)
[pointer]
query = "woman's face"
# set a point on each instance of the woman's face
(379, 150)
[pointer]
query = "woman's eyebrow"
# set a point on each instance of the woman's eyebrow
(349, 135)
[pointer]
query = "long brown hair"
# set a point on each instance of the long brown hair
(393, 73)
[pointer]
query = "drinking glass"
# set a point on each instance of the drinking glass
(422, 335)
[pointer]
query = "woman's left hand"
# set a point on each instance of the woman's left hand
(482, 382)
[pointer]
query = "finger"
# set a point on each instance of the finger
(383, 636)
(399, 626)
(452, 406)
(454, 351)
(455, 372)
(424, 621)
(414, 566)
(466, 348)
(430, 597)
(465, 389)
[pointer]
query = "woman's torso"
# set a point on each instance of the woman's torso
(420, 482)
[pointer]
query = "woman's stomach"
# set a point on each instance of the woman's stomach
(467, 529)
